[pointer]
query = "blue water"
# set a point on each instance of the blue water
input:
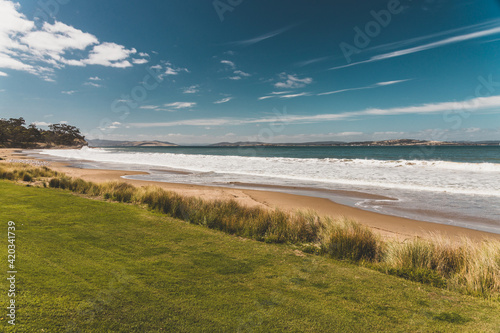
(467, 154)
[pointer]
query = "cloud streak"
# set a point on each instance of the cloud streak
(475, 104)
(424, 47)
(261, 38)
(376, 85)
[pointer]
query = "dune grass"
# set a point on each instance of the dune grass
(470, 267)
(96, 266)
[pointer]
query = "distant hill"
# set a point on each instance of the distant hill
(113, 143)
(399, 142)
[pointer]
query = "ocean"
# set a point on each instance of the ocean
(456, 185)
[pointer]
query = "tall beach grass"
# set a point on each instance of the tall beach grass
(464, 265)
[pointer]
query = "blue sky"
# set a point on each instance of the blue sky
(195, 72)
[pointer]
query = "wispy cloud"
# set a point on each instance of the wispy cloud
(285, 95)
(241, 73)
(229, 63)
(191, 90)
(443, 42)
(180, 105)
(292, 81)
(68, 92)
(476, 104)
(379, 84)
(92, 84)
(263, 37)
(311, 61)
(224, 100)
(3, 74)
(294, 95)
(149, 107)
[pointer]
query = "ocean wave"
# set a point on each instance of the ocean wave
(416, 175)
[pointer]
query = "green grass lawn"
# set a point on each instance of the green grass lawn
(91, 266)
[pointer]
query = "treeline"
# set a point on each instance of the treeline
(15, 134)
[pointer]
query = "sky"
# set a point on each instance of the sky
(200, 72)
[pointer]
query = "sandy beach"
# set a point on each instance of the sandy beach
(387, 226)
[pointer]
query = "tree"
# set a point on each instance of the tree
(14, 133)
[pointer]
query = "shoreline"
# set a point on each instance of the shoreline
(387, 226)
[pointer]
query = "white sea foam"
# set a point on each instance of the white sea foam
(428, 176)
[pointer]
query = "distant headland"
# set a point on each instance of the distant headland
(399, 142)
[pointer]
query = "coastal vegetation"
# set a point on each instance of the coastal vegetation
(15, 134)
(469, 267)
(96, 266)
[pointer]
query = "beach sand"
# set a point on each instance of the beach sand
(387, 226)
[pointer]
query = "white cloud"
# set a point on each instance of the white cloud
(224, 100)
(92, 84)
(143, 54)
(265, 97)
(140, 61)
(241, 73)
(283, 94)
(113, 125)
(229, 63)
(472, 105)
(235, 78)
(95, 78)
(181, 105)
(379, 84)
(68, 92)
(292, 81)
(40, 51)
(41, 123)
(54, 40)
(294, 95)
(110, 55)
(63, 122)
(149, 107)
(389, 83)
(3, 74)
(171, 70)
(191, 90)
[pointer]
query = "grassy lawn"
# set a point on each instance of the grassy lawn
(92, 266)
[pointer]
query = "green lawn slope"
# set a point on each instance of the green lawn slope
(92, 266)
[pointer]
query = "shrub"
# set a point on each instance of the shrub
(347, 239)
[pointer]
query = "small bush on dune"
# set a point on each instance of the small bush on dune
(347, 239)
(27, 177)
